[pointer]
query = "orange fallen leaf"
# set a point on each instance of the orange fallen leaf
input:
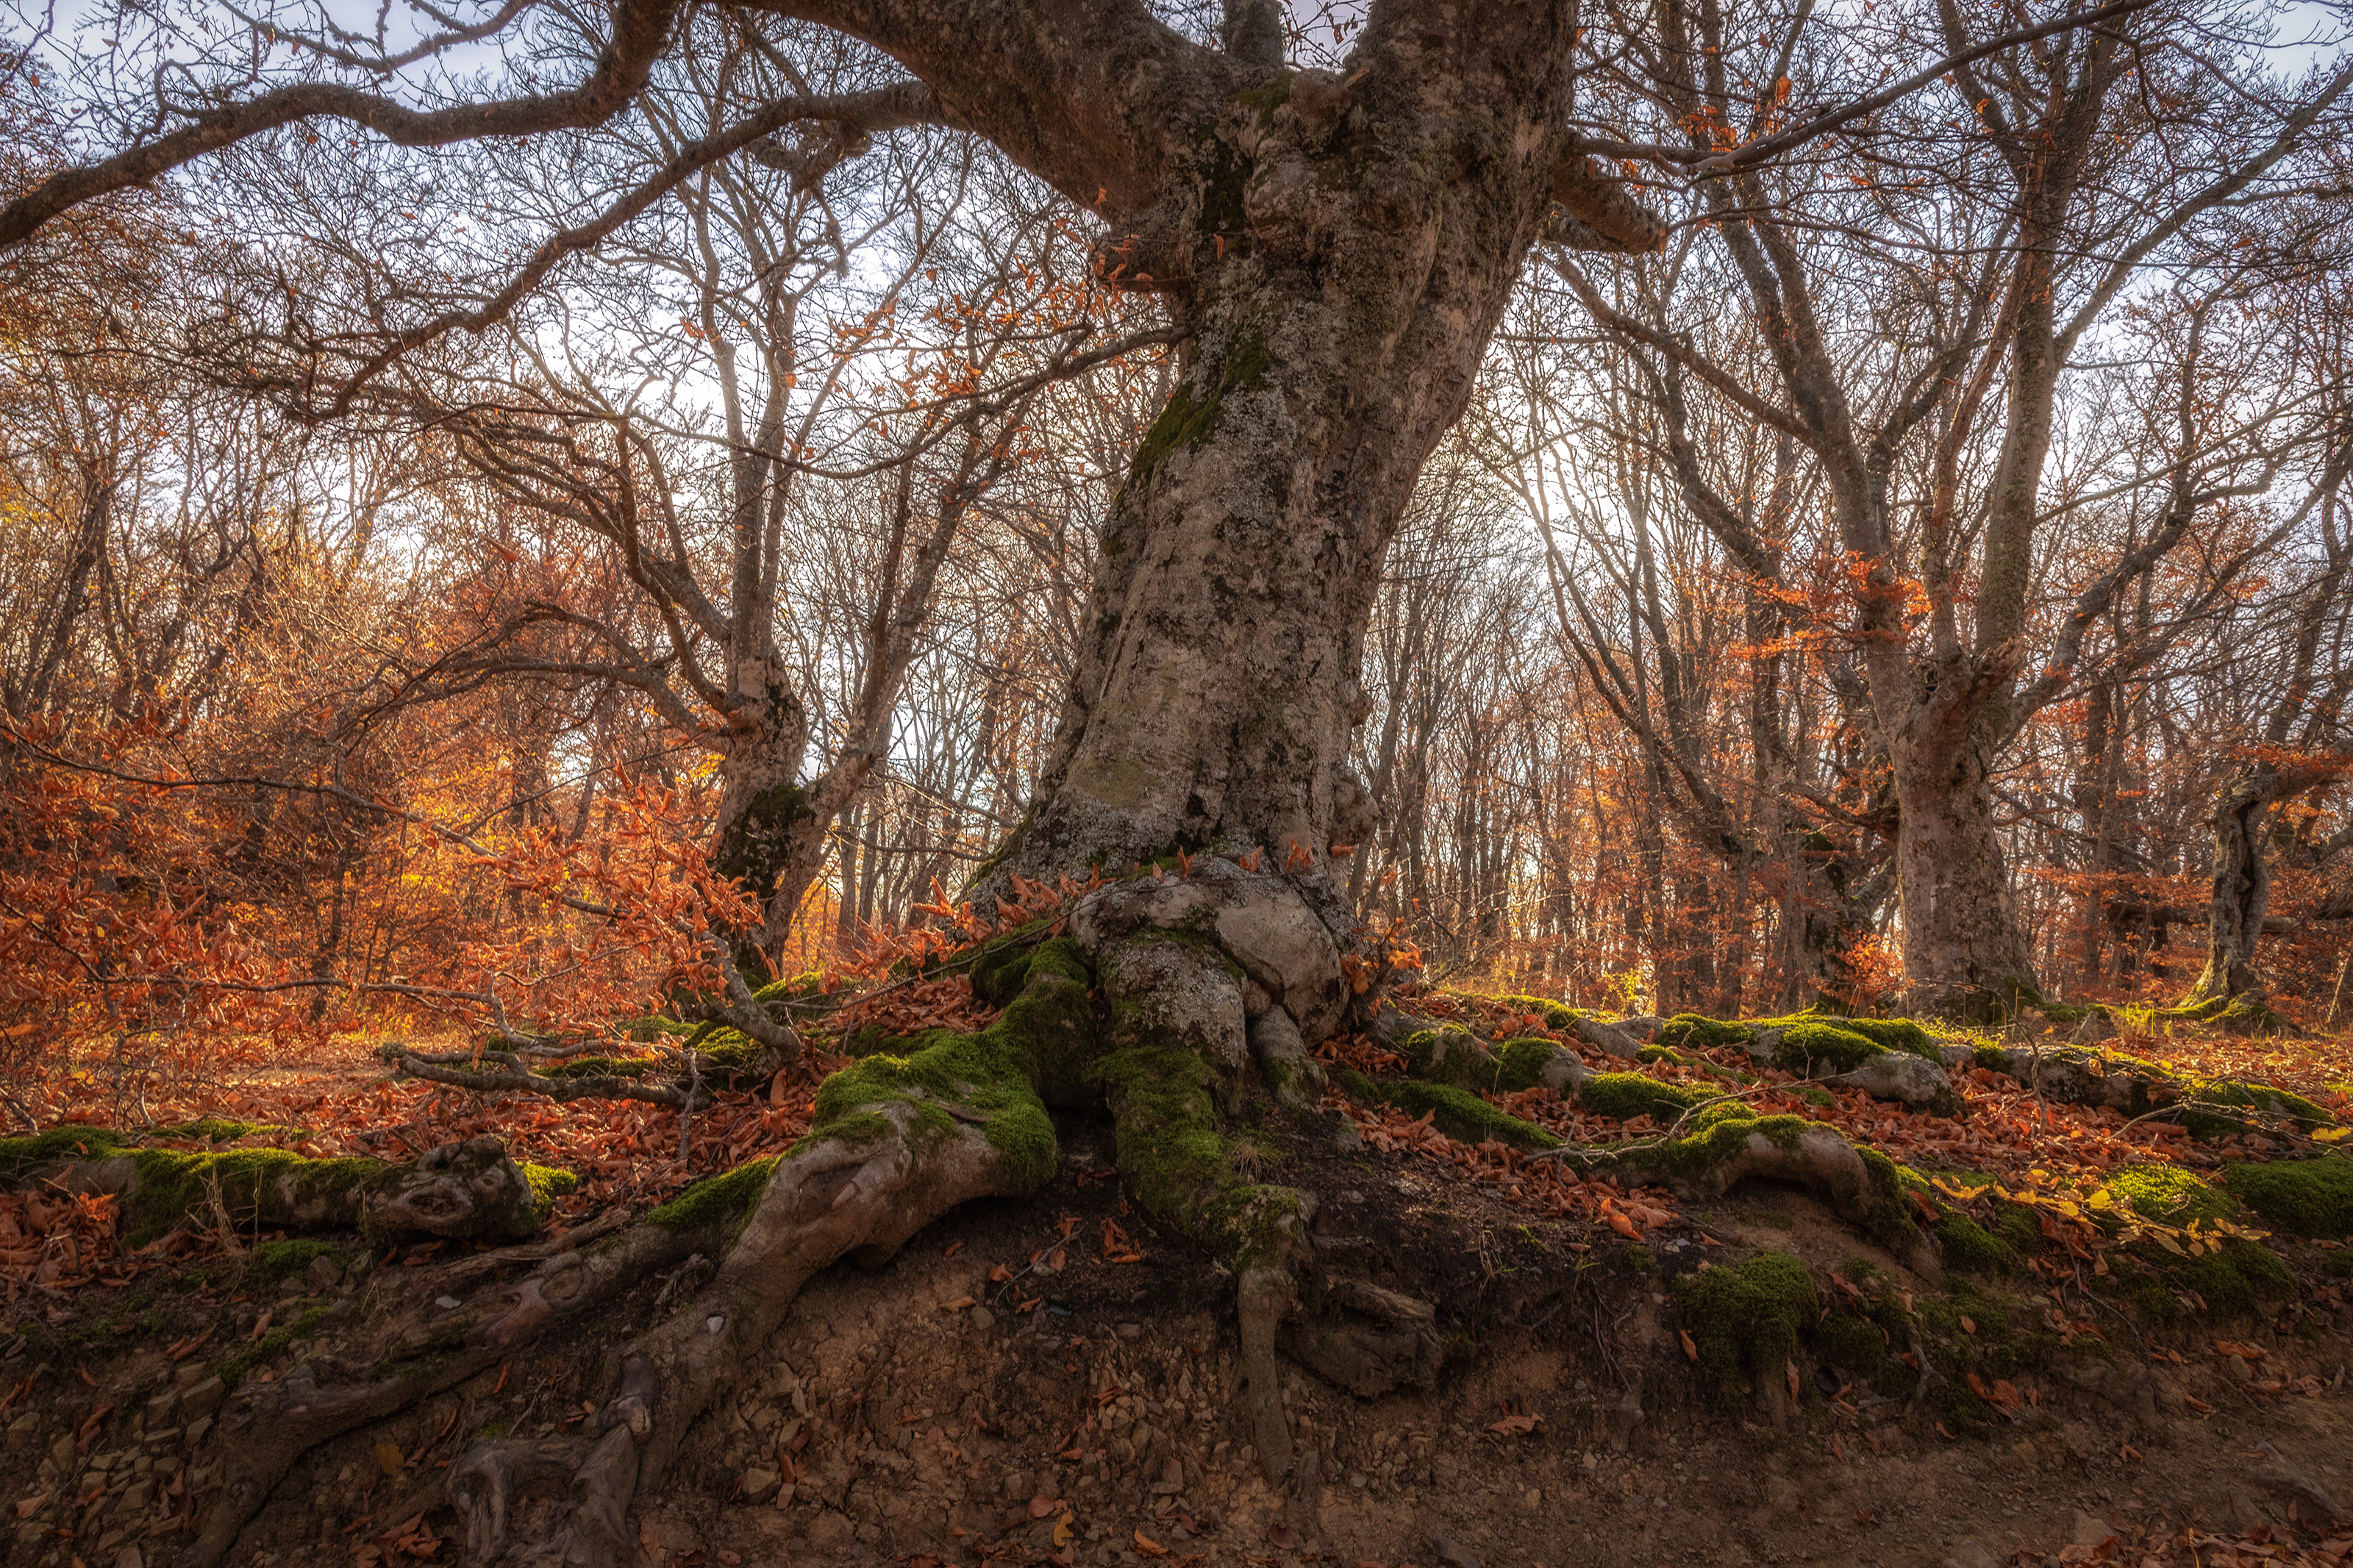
(1148, 1546)
(1691, 1350)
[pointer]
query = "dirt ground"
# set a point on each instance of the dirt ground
(1003, 1389)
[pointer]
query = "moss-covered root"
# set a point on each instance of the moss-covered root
(1861, 1186)
(1293, 1074)
(470, 1190)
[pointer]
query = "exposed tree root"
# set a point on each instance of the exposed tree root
(1173, 1002)
(462, 1190)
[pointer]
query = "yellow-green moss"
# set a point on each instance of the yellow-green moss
(720, 1203)
(1808, 1044)
(169, 1187)
(548, 1184)
(1625, 1095)
(1690, 1031)
(1520, 1062)
(2168, 1193)
(71, 1141)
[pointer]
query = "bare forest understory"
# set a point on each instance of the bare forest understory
(2126, 1342)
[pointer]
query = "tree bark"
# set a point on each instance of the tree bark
(1337, 308)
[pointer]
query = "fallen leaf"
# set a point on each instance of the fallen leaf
(1791, 1367)
(1042, 1505)
(1691, 1350)
(1063, 1533)
(1515, 1425)
(1148, 1546)
(389, 1458)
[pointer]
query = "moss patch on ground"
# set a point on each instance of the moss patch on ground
(2304, 1197)
(1745, 1321)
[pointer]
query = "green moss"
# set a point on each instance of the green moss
(718, 1202)
(1458, 1113)
(979, 1074)
(1187, 422)
(18, 1155)
(2168, 1193)
(798, 987)
(1969, 1246)
(1451, 1055)
(274, 1260)
(2304, 1197)
(215, 1130)
(1805, 1047)
(2237, 1278)
(1175, 1165)
(1690, 1031)
(1890, 1034)
(2256, 1097)
(1745, 1321)
(1625, 1095)
(602, 1066)
(168, 1188)
(1520, 1062)
(548, 1184)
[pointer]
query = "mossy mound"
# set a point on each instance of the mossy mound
(1558, 1017)
(548, 1182)
(2304, 1197)
(71, 1141)
(1745, 1321)
(1520, 1062)
(1807, 1045)
(1625, 1095)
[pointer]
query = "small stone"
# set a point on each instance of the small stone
(1131, 1331)
(983, 1319)
(1534, 1497)
(1968, 1551)
(759, 1486)
(324, 1273)
(131, 1558)
(160, 1408)
(202, 1399)
(2089, 1530)
(189, 1374)
(1447, 1552)
(447, 1303)
(61, 1452)
(197, 1428)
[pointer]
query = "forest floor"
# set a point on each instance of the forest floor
(1049, 1382)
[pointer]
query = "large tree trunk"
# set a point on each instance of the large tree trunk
(1963, 952)
(1338, 311)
